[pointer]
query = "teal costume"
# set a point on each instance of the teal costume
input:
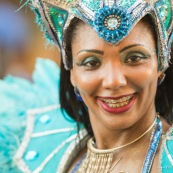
(49, 140)
(17, 96)
(34, 140)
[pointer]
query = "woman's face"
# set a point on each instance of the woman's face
(117, 83)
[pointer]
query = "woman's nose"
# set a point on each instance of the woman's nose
(114, 77)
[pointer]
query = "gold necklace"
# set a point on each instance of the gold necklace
(100, 161)
(90, 145)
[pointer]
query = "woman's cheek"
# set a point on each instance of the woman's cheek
(88, 84)
(143, 75)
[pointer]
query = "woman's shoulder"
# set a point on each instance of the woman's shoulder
(50, 137)
(166, 156)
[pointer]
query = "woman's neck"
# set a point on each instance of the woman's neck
(106, 138)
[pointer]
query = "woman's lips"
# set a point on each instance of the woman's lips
(117, 105)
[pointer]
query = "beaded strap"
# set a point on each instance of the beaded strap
(152, 148)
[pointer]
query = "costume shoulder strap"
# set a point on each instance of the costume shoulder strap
(166, 157)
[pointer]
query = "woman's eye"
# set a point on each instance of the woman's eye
(90, 63)
(135, 59)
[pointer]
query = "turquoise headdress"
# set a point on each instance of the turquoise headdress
(111, 19)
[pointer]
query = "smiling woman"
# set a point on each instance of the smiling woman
(115, 55)
(118, 85)
(114, 81)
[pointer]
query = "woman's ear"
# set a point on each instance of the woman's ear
(72, 78)
(161, 77)
(159, 73)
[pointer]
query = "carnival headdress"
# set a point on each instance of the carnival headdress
(111, 19)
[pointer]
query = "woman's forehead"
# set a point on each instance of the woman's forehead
(86, 37)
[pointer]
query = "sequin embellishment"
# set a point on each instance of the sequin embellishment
(58, 18)
(31, 155)
(45, 119)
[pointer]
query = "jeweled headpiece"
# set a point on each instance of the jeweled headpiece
(111, 19)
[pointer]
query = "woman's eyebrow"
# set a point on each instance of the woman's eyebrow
(130, 46)
(102, 52)
(92, 51)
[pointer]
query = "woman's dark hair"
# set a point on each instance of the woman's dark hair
(78, 111)
(75, 108)
(164, 95)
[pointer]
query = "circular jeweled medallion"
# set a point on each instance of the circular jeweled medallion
(112, 23)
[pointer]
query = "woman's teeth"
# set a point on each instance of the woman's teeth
(115, 103)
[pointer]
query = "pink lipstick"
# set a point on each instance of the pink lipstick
(117, 105)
